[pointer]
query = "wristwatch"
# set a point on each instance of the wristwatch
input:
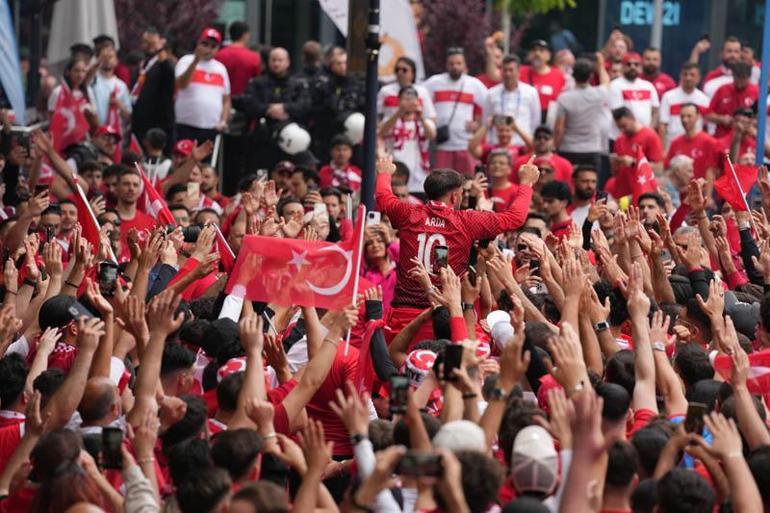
(357, 438)
(498, 394)
(601, 326)
(467, 306)
(659, 346)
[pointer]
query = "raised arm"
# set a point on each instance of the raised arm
(253, 387)
(644, 364)
(387, 202)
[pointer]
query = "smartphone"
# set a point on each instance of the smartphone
(420, 464)
(193, 189)
(373, 218)
(601, 195)
(77, 310)
(112, 439)
(453, 357)
(534, 265)
(108, 276)
(319, 209)
(50, 233)
(693, 422)
(440, 258)
(399, 388)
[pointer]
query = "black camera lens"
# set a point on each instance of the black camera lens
(191, 233)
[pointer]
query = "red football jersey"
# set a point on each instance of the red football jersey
(549, 86)
(702, 148)
(650, 144)
(727, 99)
(424, 227)
(662, 82)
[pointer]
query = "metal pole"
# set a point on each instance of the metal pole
(600, 35)
(656, 34)
(269, 23)
(762, 110)
(35, 53)
(370, 127)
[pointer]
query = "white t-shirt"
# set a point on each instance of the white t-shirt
(387, 101)
(404, 144)
(470, 96)
(102, 89)
(523, 103)
(671, 105)
(200, 103)
(640, 96)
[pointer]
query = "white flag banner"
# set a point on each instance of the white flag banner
(79, 21)
(398, 33)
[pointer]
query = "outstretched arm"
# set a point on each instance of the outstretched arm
(387, 202)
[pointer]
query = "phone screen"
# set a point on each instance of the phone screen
(453, 357)
(112, 439)
(693, 422)
(440, 258)
(373, 218)
(399, 388)
(108, 276)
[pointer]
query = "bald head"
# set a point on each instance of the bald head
(278, 61)
(84, 507)
(100, 402)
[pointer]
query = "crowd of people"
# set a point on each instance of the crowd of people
(560, 310)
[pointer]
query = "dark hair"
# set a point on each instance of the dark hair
(13, 375)
(653, 196)
(286, 201)
(441, 182)
(518, 415)
(187, 457)
(68, 68)
(381, 434)
(526, 504)
(89, 166)
(582, 70)
(125, 171)
(684, 491)
(764, 312)
(156, 138)
(330, 191)
(175, 189)
(176, 357)
(203, 490)
(693, 364)
(482, 477)
(645, 496)
(618, 307)
(731, 39)
(264, 496)
(401, 430)
(617, 400)
(178, 206)
(191, 425)
(741, 69)
(228, 390)
(556, 190)
(455, 50)
(622, 112)
(690, 104)
(341, 140)
(689, 65)
(759, 464)
(409, 62)
(511, 57)
(48, 382)
(114, 170)
(682, 289)
(620, 370)
(705, 391)
(622, 462)
(649, 443)
(236, 450)
(237, 30)
(584, 168)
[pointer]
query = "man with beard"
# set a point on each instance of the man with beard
(696, 144)
(459, 101)
(739, 94)
(271, 100)
(108, 89)
(545, 155)
(548, 80)
(584, 181)
(670, 126)
(129, 189)
(650, 205)
(722, 74)
(153, 92)
(651, 72)
(210, 186)
(631, 91)
(106, 140)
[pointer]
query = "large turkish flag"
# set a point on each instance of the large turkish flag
(290, 272)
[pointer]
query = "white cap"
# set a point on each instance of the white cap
(496, 316)
(502, 333)
(460, 435)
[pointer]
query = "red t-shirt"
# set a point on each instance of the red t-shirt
(649, 142)
(242, 65)
(549, 85)
(641, 419)
(11, 431)
(748, 144)
(343, 369)
(562, 168)
(502, 198)
(141, 222)
(484, 79)
(662, 82)
(701, 148)
(727, 99)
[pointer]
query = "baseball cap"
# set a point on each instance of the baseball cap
(460, 435)
(525, 505)
(107, 130)
(418, 365)
(543, 129)
(502, 333)
(534, 463)
(632, 56)
(210, 33)
(184, 147)
(60, 310)
(539, 43)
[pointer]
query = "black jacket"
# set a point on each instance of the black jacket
(269, 88)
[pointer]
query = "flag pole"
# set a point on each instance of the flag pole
(361, 219)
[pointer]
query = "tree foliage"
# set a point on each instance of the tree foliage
(449, 23)
(181, 20)
(533, 6)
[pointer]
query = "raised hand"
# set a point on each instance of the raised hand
(638, 301)
(161, 315)
(529, 173)
(352, 410)
(570, 369)
(727, 440)
(385, 165)
(659, 327)
(252, 338)
(200, 152)
(714, 306)
(205, 242)
(89, 332)
(96, 298)
(318, 452)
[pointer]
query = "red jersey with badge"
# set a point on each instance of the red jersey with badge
(141, 222)
(649, 142)
(662, 82)
(422, 228)
(728, 99)
(701, 148)
(548, 85)
(502, 198)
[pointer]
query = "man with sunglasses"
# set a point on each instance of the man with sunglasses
(202, 105)
(639, 95)
(387, 98)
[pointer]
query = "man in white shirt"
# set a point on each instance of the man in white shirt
(108, 91)
(631, 91)
(406, 74)
(514, 98)
(459, 100)
(202, 105)
(670, 126)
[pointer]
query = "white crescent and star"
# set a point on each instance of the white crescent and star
(299, 259)
(70, 117)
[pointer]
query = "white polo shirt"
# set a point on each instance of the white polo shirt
(640, 96)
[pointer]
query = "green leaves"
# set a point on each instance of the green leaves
(533, 6)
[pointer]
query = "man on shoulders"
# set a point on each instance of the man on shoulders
(633, 137)
(638, 95)
(129, 189)
(670, 126)
(241, 62)
(738, 94)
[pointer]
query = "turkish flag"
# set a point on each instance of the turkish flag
(291, 272)
(732, 187)
(226, 255)
(113, 121)
(68, 124)
(151, 203)
(759, 370)
(644, 178)
(86, 218)
(134, 146)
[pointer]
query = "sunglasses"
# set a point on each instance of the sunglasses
(634, 63)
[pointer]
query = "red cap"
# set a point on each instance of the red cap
(184, 147)
(107, 130)
(210, 33)
(631, 56)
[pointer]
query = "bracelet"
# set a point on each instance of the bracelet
(472, 395)
(270, 435)
(146, 460)
(71, 284)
